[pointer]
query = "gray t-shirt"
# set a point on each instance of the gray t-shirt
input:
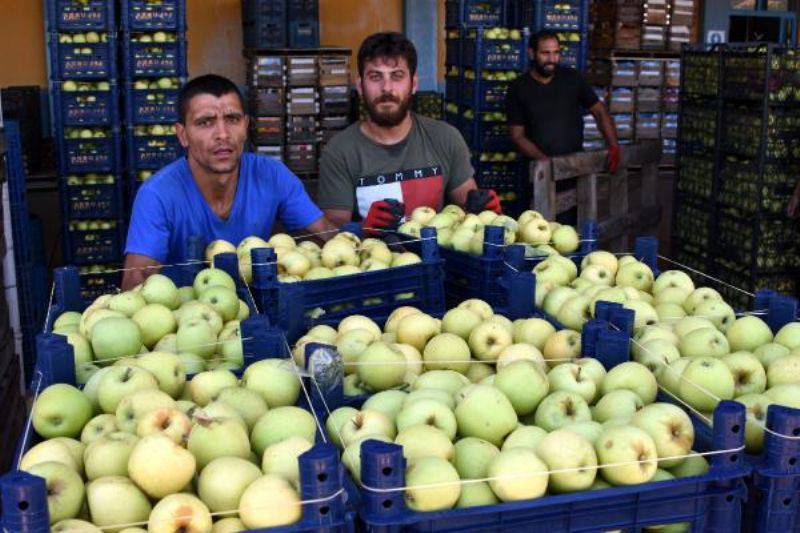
(355, 171)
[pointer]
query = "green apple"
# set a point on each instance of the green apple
(352, 387)
(364, 423)
(574, 313)
(719, 313)
(172, 422)
(475, 494)
(424, 440)
(673, 296)
(533, 331)
(155, 321)
(335, 421)
(228, 525)
(248, 403)
(389, 402)
(756, 406)
(282, 458)
(429, 412)
(565, 450)
(159, 289)
(460, 321)
(223, 300)
(276, 380)
(592, 368)
(520, 351)
(673, 279)
(644, 314)
(748, 333)
(167, 343)
(219, 246)
(632, 376)
(75, 524)
(92, 316)
(527, 436)
(81, 348)
(595, 275)
(767, 353)
(159, 466)
(518, 474)
(432, 484)
(447, 351)
(194, 310)
(619, 403)
(127, 303)
(115, 337)
(192, 363)
(351, 456)
(114, 500)
(565, 239)
(350, 345)
(46, 452)
(417, 329)
(217, 437)
(535, 231)
(446, 380)
(108, 455)
(65, 491)
(636, 275)
(656, 355)
(219, 410)
(524, 384)
(135, 405)
(486, 413)
(97, 427)
(92, 385)
(686, 325)
(783, 371)
(269, 501)
(281, 423)
(222, 482)
(381, 366)
(748, 373)
(627, 455)
(671, 430)
(562, 346)
(395, 316)
(571, 378)
(699, 296)
(488, 340)
(168, 370)
(560, 408)
(205, 386)
(704, 382)
(651, 333)
(789, 335)
(472, 457)
(439, 395)
(60, 410)
(693, 465)
(670, 376)
(211, 277)
(590, 430)
(478, 306)
(196, 336)
(178, 512)
(67, 321)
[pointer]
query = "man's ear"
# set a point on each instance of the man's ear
(358, 86)
(415, 84)
(531, 54)
(180, 131)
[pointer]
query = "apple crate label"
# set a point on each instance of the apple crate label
(326, 369)
(411, 187)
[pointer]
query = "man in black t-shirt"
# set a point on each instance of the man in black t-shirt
(545, 109)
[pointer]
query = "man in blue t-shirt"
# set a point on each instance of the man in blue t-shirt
(216, 191)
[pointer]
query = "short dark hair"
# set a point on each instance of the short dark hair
(207, 84)
(390, 44)
(539, 36)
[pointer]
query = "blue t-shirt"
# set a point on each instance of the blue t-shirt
(169, 209)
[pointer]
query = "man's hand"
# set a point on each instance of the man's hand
(383, 215)
(483, 200)
(613, 158)
(794, 203)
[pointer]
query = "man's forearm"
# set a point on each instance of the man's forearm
(527, 148)
(605, 124)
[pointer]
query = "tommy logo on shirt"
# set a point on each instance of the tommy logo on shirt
(414, 188)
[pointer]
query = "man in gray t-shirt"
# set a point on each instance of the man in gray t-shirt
(394, 154)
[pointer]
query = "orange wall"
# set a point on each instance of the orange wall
(215, 35)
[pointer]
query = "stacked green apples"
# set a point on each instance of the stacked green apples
(198, 325)
(142, 446)
(343, 255)
(464, 232)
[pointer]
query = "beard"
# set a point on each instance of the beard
(546, 70)
(388, 119)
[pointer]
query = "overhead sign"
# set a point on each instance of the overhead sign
(715, 37)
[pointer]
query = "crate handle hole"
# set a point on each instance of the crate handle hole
(729, 498)
(792, 461)
(735, 428)
(322, 478)
(734, 458)
(387, 504)
(787, 502)
(796, 432)
(23, 505)
(324, 510)
(387, 471)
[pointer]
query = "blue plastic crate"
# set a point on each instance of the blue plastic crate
(470, 13)
(303, 34)
(511, 175)
(452, 48)
(83, 61)
(264, 24)
(575, 54)
(85, 108)
(484, 95)
(374, 294)
(146, 15)
(150, 106)
(497, 54)
(559, 15)
(487, 135)
(151, 152)
(151, 59)
(97, 280)
(453, 87)
(101, 155)
(84, 245)
(91, 196)
(452, 117)
(69, 15)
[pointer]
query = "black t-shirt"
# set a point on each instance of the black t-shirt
(552, 113)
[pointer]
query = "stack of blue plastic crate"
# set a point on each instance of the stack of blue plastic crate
(485, 51)
(280, 24)
(153, 68)
(569, 18)
(84, 86)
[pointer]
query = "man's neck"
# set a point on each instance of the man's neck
(388, 136)
(541, 79)
(218, 190)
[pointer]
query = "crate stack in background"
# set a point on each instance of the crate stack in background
(568, 18)
(23, 105)
(280, 24)
(483, 55)
(298, 101)
(738, 165)
(85, 92)
(153, 66)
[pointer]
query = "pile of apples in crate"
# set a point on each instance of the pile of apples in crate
(343, 255)
(688, 336)
(140, 445)
(464, 232)
(474, 396)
